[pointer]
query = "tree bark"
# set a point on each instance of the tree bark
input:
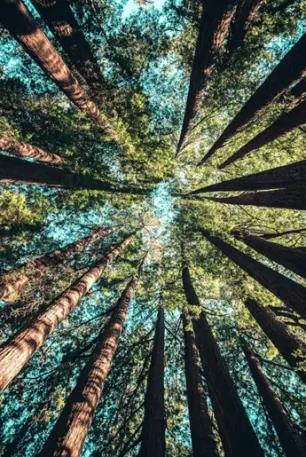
(288, 436)
(153, 430)
(69, 433)
(19, 349)
(298, 93)
(242, 24)
(289, 292)
(289, 70)
(45, 261)
(201, 427)
(287, 343)
(28, 150)
(215, 21)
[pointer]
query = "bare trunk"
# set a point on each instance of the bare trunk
(28, 150)
(19, 349)
(153, 429)
(242, 24)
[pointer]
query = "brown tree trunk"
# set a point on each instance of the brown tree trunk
(28, 150)
(237, 435)
(289, 292)
(17, 19)
(201, 427)
(288, 436)
(215, 21)
(69, 433)
(42, 263)
(289, 70)
(277, 331)
(153, 429)
(242, 24)
(294, 118)
(19, 349)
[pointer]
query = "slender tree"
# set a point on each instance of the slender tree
(269, 236)
(69, 433)
(201, 427)
(19, 349)
(290, 439)
(289, 70)
(28, 150)
(42, 263)
(153, 429)
(215, 21)
(291, 347)
(237, 435)
(298, 93)
(290, 292)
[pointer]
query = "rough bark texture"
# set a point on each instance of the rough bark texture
(289, 70)
(286, 342)
(19, 349)
(69, 433)
(294, 118)
(237, 435)
(203, 443)
(242, 24)
(287, 434)
(290, 292)
(42, 263)
(28, 150)
(153, 430)
(215, 21)
(16, 18)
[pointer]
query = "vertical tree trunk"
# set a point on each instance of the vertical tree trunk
(283, 339)
(288, 436)
(153, 430)
(201, 427)
(28, 150)
(69, 433)
(19, 349)
(42, 263)
(289, 292)
(289, 70)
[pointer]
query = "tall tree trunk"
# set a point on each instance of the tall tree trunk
(237, 435)
(42, 263)
(294, 118)
(289, 70)
(287, 344)
(69, 433)
(215, 21)
(242, 24)
(19, 349)
(17, 19)
(288, 436)
(153, 429)
(201, 427)
(298, 93)
(289, 292)
(28, 150)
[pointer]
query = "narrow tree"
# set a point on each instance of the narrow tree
(291, 347)
(215, 21)
(42, 263)
(153, 429)
(269, 236)
(201, 427)
(289, 70)
(19, 349)
(236, 432)
(69, 432)
(298, 93)
(287, 433)
(28, 150)
(289, 292)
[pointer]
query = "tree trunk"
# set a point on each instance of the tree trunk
(215, 21)
(269, 236)
(289, 292)
(28, 150)
(289, 70)
(42, 263)
(287, 434)
(153, 429)
(16, 18)
(298, 93)
(237, 435)
(201, 427)
(242, 24)
(283, 339)
(69, 433)
(294, 118)
(19, 349)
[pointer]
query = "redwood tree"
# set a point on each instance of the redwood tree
(28, 150)
(242, 23)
